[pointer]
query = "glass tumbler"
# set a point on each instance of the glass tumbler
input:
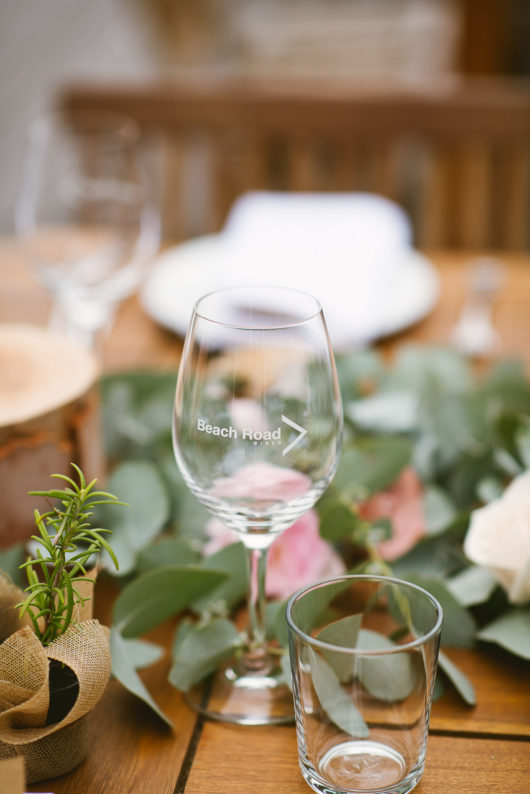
(363, 652)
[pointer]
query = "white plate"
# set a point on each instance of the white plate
(183, 274)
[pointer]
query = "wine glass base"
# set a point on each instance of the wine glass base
(243, 697)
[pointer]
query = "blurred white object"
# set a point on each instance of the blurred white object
(390, 39)
(351, 251)
(331, 221)
(474, 333)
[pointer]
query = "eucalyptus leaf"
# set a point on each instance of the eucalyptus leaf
(201, 651)
(465, 477)
(391, 677)
(522, 440)
(380, 529)
(279, 627)
(506, 386)
(438, 508)
(459, 680)
(184, 627)
(285, 664)
(170, 551)
(232, 561)
(385, 412)
(344, 633)
(458, 624)
(124, 552)
(435, 556)
(10, 560)
(489, 488)
(187, 512)
(372, 464)
(275, 622)
(137, 412)
(359, 371)
(448, 418)
(472, 586)
(123, 669)
(335, 700)
(511, 631)
(419, 366)
(159, 594)
(338, 522)
(143, 653)
(507, 463)
(140, 485)
(307, 609)
(438, 689)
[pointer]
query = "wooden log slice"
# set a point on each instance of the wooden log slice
(49, 417)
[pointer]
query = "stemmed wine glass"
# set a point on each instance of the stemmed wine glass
(86, 215)
(257, 430)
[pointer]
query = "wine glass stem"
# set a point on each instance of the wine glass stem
(82, 321)
(256, 659)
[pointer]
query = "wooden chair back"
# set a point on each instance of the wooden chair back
(456, 155)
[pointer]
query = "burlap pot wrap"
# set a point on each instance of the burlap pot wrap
(49, 750)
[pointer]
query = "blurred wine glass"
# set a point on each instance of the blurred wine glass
(86, 216)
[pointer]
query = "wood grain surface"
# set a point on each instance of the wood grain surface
(265, 760)
(502, 684)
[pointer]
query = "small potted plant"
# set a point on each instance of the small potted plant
(56, 663)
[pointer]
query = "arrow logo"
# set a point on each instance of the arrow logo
(300, 430)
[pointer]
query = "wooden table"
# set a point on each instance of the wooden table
(470, 751)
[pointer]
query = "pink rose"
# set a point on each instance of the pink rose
(298, 557)
(262, 482)
(402, 504)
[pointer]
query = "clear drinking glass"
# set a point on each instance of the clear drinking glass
(257, 432)
(363, 651)
(86, 215)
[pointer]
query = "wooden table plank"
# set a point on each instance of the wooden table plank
(502, 684)
(129, 749)
(239, 760)
(123, 728)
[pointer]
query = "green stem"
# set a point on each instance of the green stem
(60, 542)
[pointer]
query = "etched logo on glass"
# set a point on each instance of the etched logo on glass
(256, 436)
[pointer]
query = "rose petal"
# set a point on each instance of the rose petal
(498, 538)
(402, 503)
(262, 481)
(298, 557)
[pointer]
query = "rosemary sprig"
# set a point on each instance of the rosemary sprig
(66, 541)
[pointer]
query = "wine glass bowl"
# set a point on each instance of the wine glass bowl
(86, 215)
(257, 431)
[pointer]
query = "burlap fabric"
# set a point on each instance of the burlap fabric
(12, 776)
(48, 750)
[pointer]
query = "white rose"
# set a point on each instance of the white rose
(498, 538)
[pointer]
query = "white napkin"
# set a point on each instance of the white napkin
(344, 248)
